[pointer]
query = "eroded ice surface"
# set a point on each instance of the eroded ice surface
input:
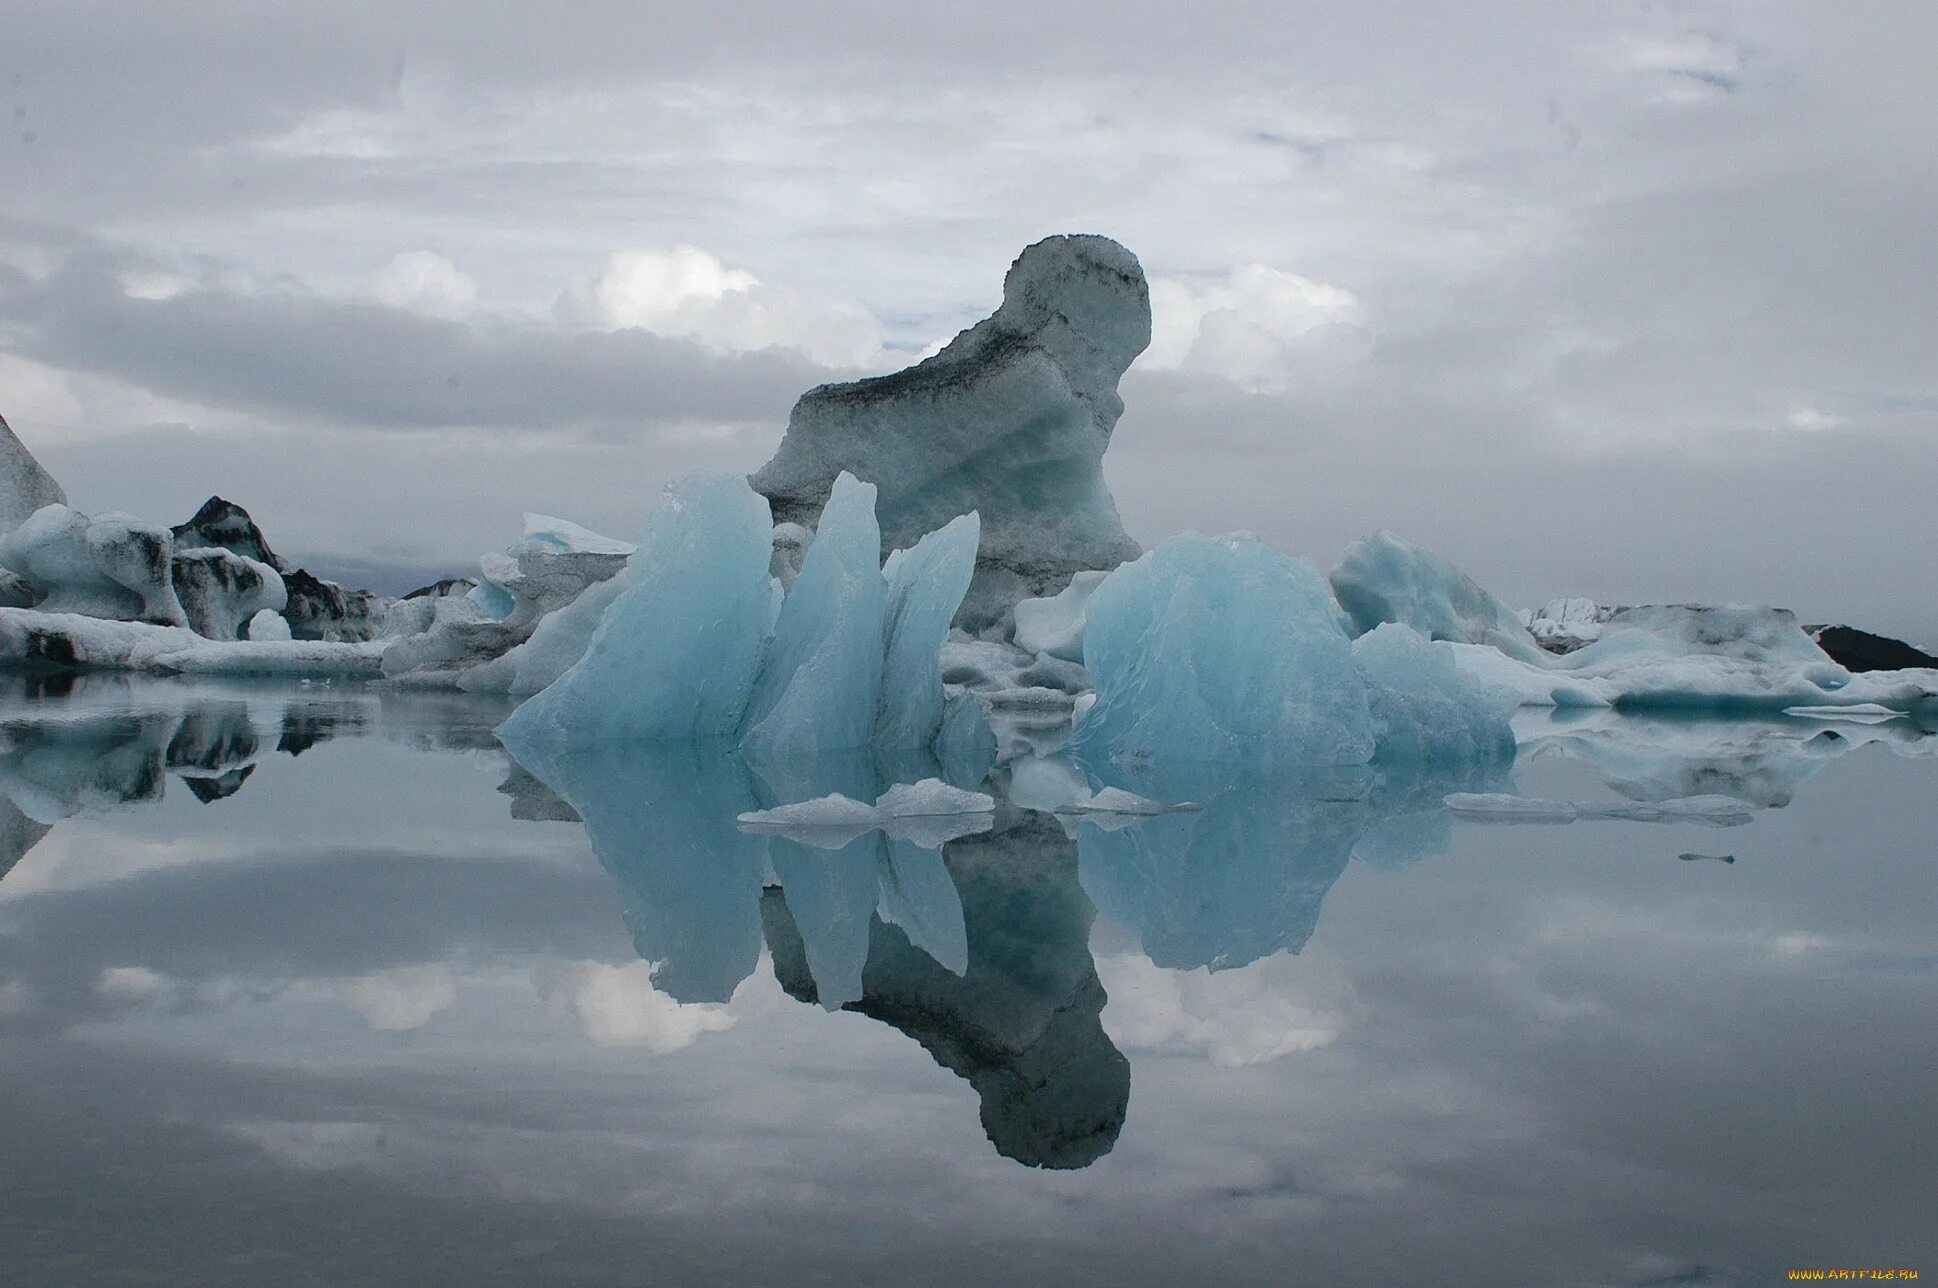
(1010, 419)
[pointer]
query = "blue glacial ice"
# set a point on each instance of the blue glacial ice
(1173, 647)
(676, 654)
(820, 688)
(698, 641)
(1383, 579)
(925, 586)
(1424, 710)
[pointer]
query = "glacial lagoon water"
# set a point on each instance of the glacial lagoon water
(316, 984)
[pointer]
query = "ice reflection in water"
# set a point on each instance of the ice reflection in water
(980, 951)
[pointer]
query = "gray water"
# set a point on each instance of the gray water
(315, 985)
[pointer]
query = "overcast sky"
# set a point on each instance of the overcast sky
(1628, 301)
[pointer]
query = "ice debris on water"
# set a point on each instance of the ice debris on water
(930, 813)
(1497, 807)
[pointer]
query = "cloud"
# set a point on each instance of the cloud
(419, 281)
(619, 1006)
(688, 293)
(1233, 1018)
(403, 997)
(297, 353)
(1259, 327)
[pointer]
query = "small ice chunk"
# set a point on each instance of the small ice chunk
(931, 798)
(268, 624)
(1115, 800)
(831, 811)
(1054, 625)
(1860, 713)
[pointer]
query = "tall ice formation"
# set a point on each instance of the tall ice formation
(24, 485)
(1011, 419)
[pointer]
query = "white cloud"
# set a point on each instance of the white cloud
(1232, 1018)
(1811, 420)
(130, 984)
(402, 998)
(1256, 327)
(618, 1006)
(689, 293)
(422, 282)
(1691, 67)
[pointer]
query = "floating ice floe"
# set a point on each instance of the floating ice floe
(929, 813)
(1497, 807)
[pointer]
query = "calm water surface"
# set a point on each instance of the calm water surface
(313, 985)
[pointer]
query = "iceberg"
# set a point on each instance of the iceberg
(1221, 649)
(1564, 625)
(323, 610)
(1383, 579)
(821, 686)
(220, 591)
(845, 661)
(112, 566)
(25, 486)
(1010, 419)
(1706, 658)
(676, 654)
(1424, 711)
(224, 525)
(925, 587)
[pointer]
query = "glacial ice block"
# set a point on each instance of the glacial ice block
(24, 485)
(675, 655)
(1011, 419)
(1383, 579)
(1221, 649)
(220, 591)
(1424, 710)
(820, 689)
(925, 587)
(112, 566)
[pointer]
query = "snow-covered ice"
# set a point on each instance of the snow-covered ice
(1054, 624)
(112, 566)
